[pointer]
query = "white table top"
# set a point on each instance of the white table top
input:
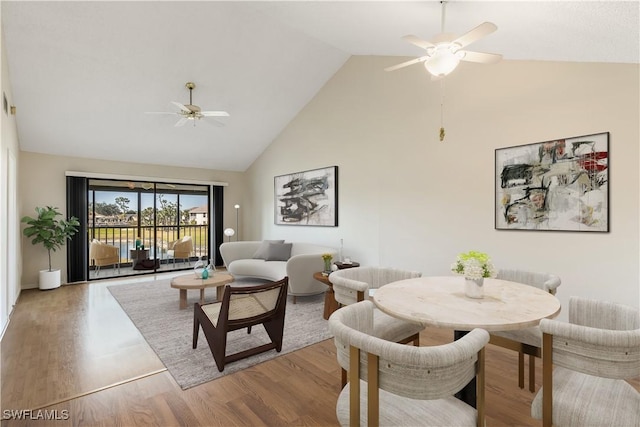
(441, 302)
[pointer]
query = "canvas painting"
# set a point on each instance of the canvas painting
(307, 198)
(558, 185)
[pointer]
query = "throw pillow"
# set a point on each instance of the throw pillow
(263, 250)
(279, 251)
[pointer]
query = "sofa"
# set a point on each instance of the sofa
(274, 259)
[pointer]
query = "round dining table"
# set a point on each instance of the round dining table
(441, 302)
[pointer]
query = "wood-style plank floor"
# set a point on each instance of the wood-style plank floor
(74, 353)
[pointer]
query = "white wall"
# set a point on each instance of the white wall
(410, 201)
(43, 183)
(9, 218)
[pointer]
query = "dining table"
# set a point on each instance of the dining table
(441, 302)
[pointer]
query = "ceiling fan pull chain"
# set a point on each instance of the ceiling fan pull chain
(444, 7)
(442, 110)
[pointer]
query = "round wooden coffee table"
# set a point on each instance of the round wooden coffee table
(190, 281)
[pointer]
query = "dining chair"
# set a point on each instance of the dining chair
(352, 285)
(393, 384)
(593, 354)
(102, 254)
(242, 307)
(525, 341)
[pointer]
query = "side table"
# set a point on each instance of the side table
(330, 303)
(137, 256)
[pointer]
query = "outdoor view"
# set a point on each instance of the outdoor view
(144, 221)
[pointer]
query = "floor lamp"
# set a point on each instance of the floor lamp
(237, 207)
(229, 232)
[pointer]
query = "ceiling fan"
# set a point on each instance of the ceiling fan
(445, 51)
(192, 112)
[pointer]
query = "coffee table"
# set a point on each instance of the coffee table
(190, 281)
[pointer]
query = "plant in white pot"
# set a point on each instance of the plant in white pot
(53, 233)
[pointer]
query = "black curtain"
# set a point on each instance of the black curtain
(216, 223)
(77, 247)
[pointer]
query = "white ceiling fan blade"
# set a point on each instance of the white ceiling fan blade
(478, 32)
(406, 64)
(481, 57)
(214, 113)
(418, 41)
(181, 122)
(181, 107)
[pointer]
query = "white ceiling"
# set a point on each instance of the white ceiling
(83, 74)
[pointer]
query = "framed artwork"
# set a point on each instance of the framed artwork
(560, 185)
(307, 198)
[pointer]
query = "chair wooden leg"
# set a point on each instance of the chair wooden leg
(532, 373)
(415, 339)
(373, 391)
(196, 328)
(480, 388)
(547, 380)
(354, 386)
(520, 369)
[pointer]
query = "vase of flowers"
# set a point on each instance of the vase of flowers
(474, 266)
(327, 262)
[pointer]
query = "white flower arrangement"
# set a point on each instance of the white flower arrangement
(474, 265)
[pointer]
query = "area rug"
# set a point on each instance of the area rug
(153, 308)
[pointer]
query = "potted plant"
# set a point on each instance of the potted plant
(475, 267)
(52, 232)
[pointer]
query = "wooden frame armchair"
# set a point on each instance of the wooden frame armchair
(592, 355)
(525, 341)
(101, 254)
(393, 384)
(242, 307)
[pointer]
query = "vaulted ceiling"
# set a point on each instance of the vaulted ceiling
(84, 74)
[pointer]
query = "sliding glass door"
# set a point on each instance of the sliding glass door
(139, 227)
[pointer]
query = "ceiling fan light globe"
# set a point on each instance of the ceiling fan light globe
(442, 63)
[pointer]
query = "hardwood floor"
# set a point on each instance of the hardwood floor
(74, 353)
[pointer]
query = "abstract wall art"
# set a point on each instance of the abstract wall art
(559, 185)
(307, 198)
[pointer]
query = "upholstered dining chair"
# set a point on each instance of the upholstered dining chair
(181, 249)
(352, 285)
(102, 254)
(242, 307)
(393, 384)
(593, 354)
(525, 341)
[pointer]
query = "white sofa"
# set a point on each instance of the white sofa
(305, 260)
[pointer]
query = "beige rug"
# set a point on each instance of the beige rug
(153, 308)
